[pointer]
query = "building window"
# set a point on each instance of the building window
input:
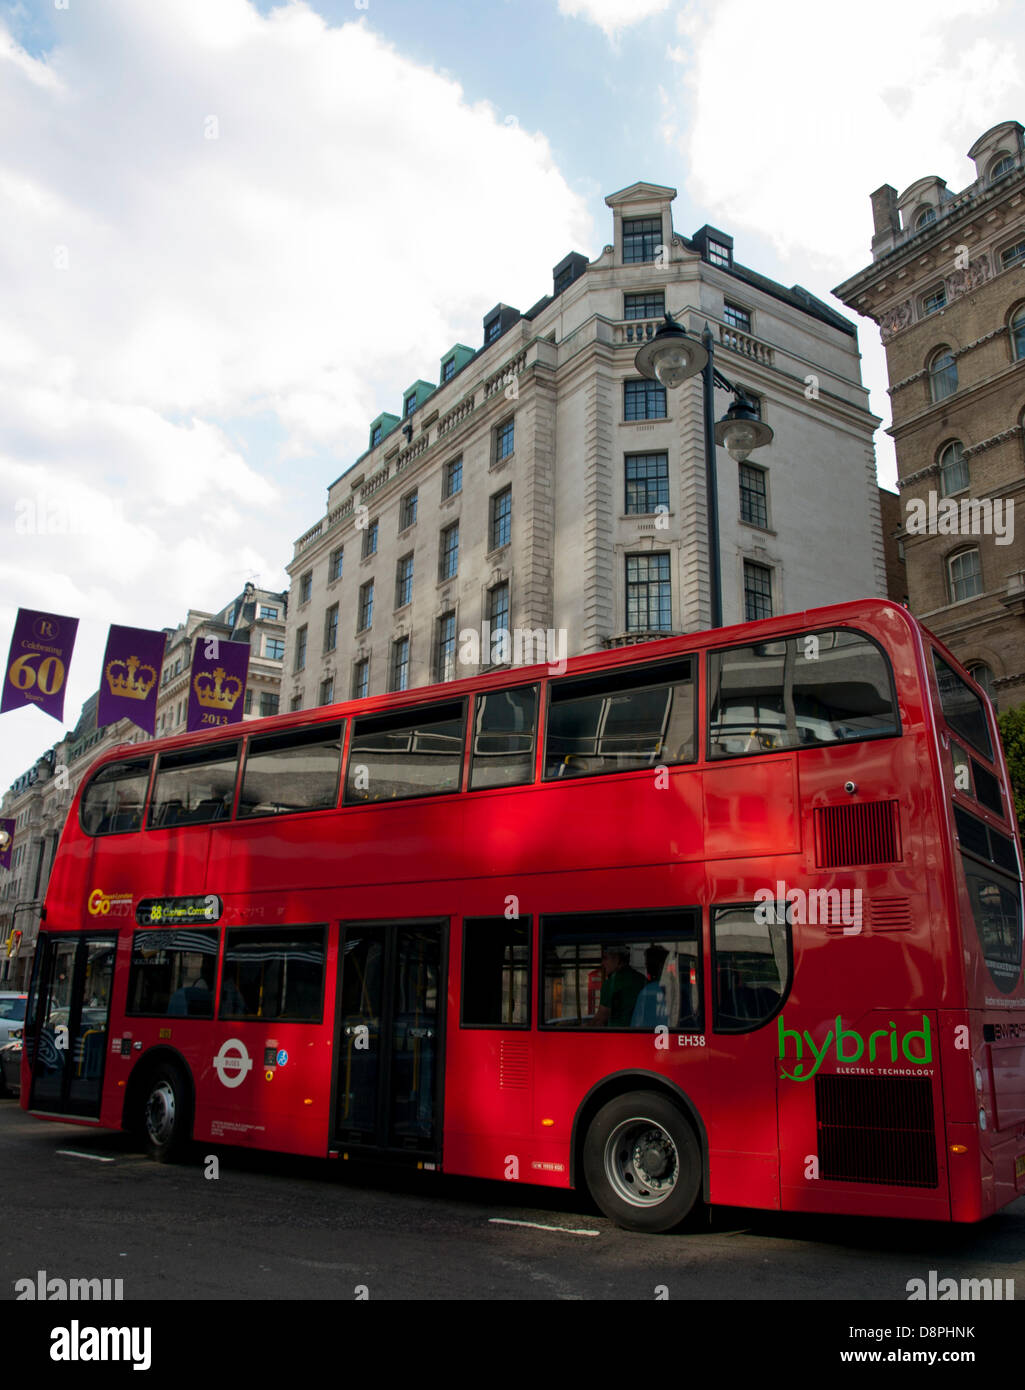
(331, 628)
(306, 587)
(497, 613)
(1011, 255)
(445, 648)
(327, 690)
(757, 592)
(370, 540)
(1018, 334)
(641, 235)
(448, 370)
(492, 329)
(649, 603)
(1003, 164)
(965, 573)
(981, 673)
(334, 569)
(504, 439)
(375, 436)
(644, 306)
(736, 317)
(718, 254)
(448, 559)
(296, 704)
(754, 507)
(300, 649)
(953, 469)
(404, 581)
(365, 612)
(274, 648)
(924, 218)
(269, 704)
(942, 375)
(407, 510)
(452, 480)
(644, 400)
(247, 706)
(399, 664)
(647, 483)
(410, 405)
(935, 300)
(361, 679)
(500, 523)
(268, 612)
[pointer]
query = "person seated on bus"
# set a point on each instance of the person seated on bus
(191, 999)
(233, 1005)
(620, 990)
(651, 1009)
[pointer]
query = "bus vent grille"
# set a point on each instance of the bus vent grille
(889, 914)
(876, 1129)
(513, 1066)
(864, 832)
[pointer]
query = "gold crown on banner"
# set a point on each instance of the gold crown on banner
(128, 678)
(212, 689)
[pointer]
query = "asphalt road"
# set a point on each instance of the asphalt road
(84, 1203)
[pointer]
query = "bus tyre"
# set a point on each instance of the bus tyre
(166, 1113)
(642, 1162)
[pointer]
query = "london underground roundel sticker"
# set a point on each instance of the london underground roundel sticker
(233, 1063)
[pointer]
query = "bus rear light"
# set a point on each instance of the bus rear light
(959, 1148)
(548, 1122)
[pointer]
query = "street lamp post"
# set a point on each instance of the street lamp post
(671, 357)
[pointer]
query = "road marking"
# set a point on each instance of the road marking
(74, 1153)
(536, 1226)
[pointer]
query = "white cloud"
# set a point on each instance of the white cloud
(612, 15)
(789, 115)
(166, 293)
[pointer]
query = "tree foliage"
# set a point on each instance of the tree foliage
(1012, 735)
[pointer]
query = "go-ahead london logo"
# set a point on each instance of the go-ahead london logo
(233, 1063)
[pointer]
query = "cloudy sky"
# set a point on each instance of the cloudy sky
(233, 232)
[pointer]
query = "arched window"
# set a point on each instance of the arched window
(1002, 164)
(1017, 327)
(953, 469)
(979, 671)
(923, 219)
(942, 374)
(965, 575)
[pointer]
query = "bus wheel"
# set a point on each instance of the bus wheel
(165, 1114)
(642, 1162)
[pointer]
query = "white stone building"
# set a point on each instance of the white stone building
(544, 485)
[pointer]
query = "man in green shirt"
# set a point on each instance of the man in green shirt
(619, 991)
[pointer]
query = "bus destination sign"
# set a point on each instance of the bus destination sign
(179, 912)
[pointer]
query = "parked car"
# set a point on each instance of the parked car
(12, 1015)
(10, 1068)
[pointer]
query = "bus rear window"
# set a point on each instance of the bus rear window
(194, 786)
(114, 799)
(799, 692)
(962, 708)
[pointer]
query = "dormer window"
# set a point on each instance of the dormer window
(492, 329)
(448, 370)
(563, 280)
(410, 405)
(718, 254)
(924, 218)
(375, 436)
(641, 235)
(1003, 164)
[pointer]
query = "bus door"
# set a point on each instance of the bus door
(66, 1034)
(387, 1092)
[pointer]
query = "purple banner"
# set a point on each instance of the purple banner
(217, 685)
(6, 842)
(131, 677)
(37, 666)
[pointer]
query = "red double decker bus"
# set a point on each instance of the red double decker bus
(732, 918)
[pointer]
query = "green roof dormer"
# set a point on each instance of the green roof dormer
(414, 396)
(454, 361)
(382, 427)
